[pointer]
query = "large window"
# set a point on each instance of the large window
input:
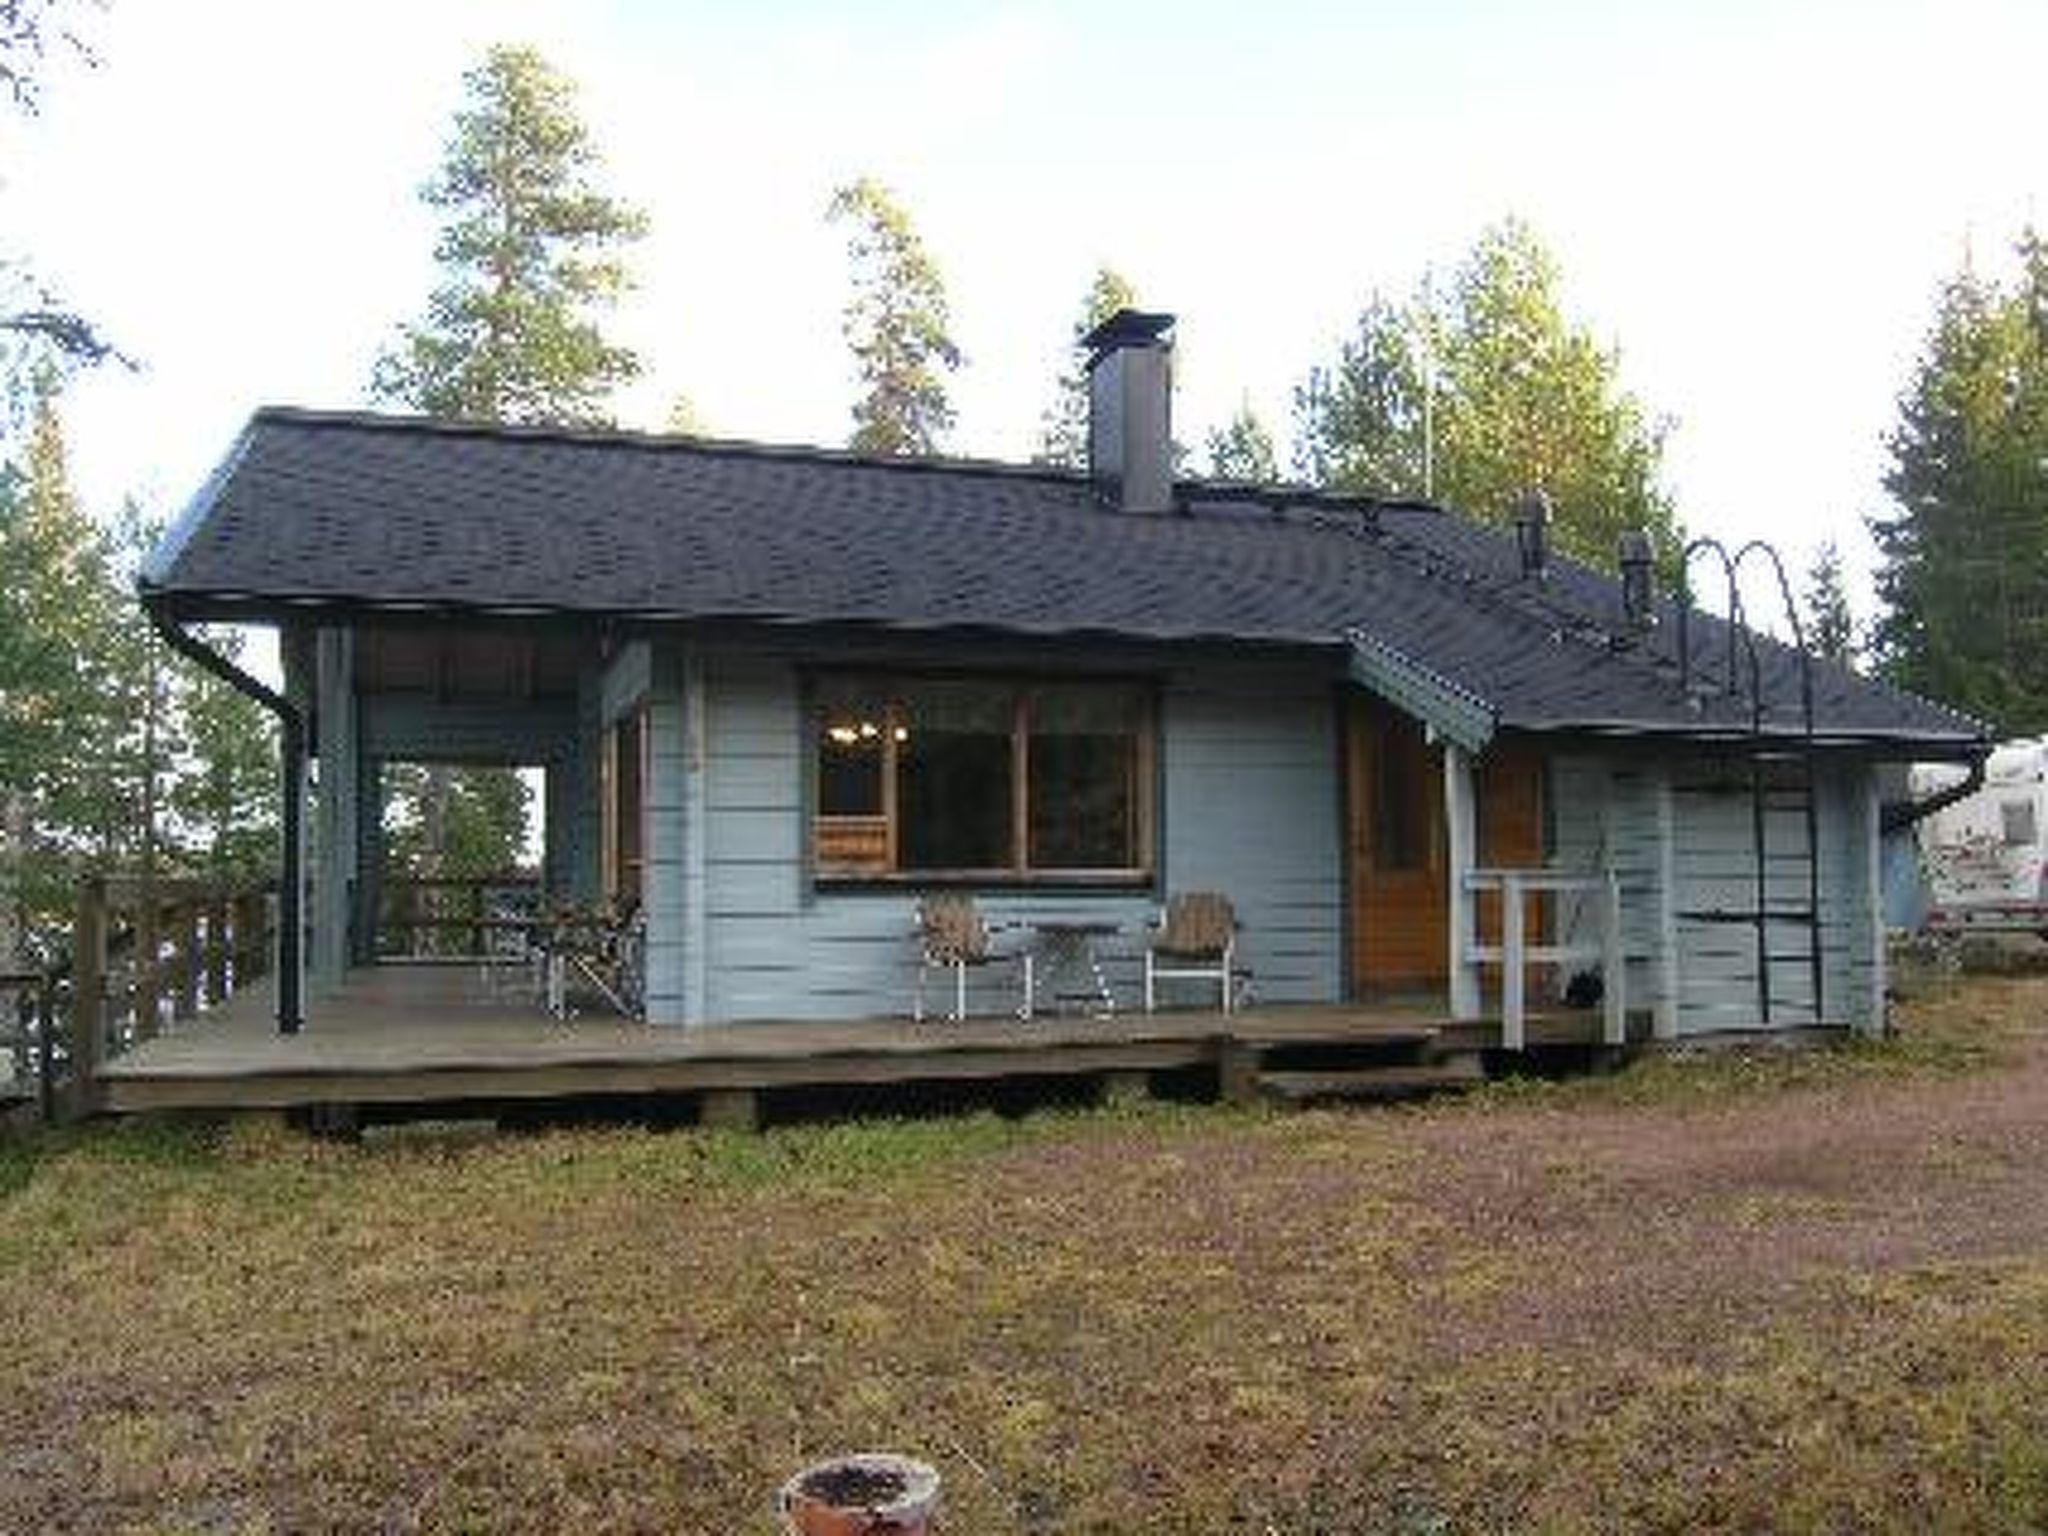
(982, 777)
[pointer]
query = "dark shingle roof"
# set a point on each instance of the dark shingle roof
(382, 511)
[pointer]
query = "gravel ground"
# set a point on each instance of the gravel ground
(1744, 1293)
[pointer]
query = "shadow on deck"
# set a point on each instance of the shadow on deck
(443, 1034)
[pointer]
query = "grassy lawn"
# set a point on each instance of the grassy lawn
(1739, 1294)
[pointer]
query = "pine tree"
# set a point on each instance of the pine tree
(65, 716)
(1963, 558)
(1479, 392)
(896, 324)
(1063, 437)
(1243, 450)
(530, 257)
(225, 790)
(1830, 627)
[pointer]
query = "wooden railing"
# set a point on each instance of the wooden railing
(144, 954)
(456, 917)
(1513, 954)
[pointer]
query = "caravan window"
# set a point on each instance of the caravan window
(2017, 818)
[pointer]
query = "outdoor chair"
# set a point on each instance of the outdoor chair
(953, 935)
(1194, 939)
(598, 951)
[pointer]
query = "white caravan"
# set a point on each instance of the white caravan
(1984, 856)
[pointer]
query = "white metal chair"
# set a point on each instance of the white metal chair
(953, 935)
(1194, 939)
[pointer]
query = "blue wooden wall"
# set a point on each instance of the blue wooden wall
(738, 930)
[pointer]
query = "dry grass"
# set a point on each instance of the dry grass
(1735, 1294)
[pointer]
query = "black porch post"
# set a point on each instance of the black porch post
(291, 918)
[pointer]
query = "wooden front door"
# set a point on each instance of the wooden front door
(1400, 874)
(1399, 890)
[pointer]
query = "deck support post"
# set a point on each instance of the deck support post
(1514, 970)
(191, 962)
(1461, 845)
(340, 814)
(729, 1109)
(291, 889)
(1613, 966)
(1237, 1071)
(217, 950)
(147, 964)
(88, 993)
(696, 776)
(1665, 1018)
(1870, 1019)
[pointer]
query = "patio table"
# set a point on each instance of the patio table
(1070, 959)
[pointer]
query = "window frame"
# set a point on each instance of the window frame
(893, 683)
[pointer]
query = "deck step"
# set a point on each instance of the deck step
(1371, 1082)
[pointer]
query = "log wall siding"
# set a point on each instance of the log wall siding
(1250, 807)
(1698, 855)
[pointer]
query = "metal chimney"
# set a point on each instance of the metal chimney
(1638, 564)
(1130, 410)
(1532, 533)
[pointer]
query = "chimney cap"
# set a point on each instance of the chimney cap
(1126, 328)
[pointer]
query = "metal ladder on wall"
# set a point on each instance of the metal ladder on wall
(1766, 756)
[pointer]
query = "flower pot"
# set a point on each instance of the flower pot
(867, 1494)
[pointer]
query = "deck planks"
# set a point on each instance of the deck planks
(413, 1034)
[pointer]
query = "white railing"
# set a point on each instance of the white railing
(1514, 954)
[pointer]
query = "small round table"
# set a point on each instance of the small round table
(1067, 954)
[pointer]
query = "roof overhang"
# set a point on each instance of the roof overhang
(1453, 713)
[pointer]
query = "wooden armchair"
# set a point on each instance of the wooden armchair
(1195, 939)
(953, 935)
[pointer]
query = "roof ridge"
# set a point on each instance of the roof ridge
(656, 442)
(1280, 496)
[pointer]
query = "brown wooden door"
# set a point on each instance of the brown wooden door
(1399, 891)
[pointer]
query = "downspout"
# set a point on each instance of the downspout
(1897, 818)
(291, 720)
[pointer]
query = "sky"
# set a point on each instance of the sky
(1754, 202)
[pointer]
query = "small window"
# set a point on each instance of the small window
(1406, 805)
(856, 751)
(2017, 818)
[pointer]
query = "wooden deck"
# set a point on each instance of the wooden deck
(403, 1034)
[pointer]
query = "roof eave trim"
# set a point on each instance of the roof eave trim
(1948, 743)
(1454, 713)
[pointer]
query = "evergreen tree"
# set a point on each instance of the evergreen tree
(1063, 437)
(896, 324)
(1243, 450)
(1830, 627)
(224, 794)
(1482, 391)
(1963, 572)
(530, 260)
(66, 705)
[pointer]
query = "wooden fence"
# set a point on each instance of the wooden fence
(144, 955)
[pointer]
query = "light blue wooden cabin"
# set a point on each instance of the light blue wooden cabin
(778, 694)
